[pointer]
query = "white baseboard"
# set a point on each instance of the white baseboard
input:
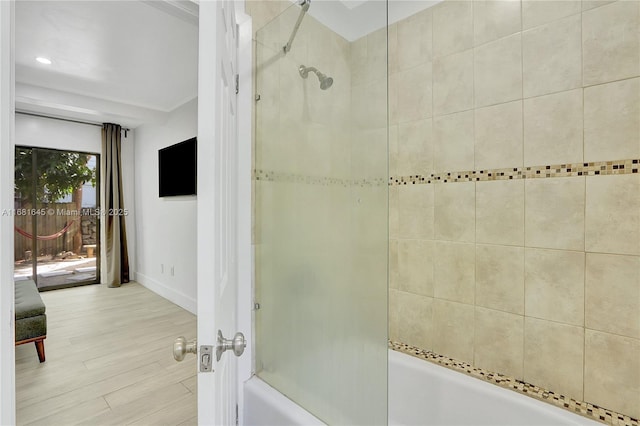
(179, 298)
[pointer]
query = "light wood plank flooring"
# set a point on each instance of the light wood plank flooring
(108, 361)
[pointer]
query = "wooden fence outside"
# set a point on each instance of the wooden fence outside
(48, 224)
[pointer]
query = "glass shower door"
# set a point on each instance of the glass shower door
(321, 197)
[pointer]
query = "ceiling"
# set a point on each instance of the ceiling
(353, 19)
(133, 61)
(123, 61)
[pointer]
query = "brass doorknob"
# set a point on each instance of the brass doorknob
(181, 347)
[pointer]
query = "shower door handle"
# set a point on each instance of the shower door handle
(237, 344)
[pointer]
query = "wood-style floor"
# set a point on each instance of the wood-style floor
(108, 361)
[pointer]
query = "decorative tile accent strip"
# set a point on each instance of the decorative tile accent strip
(271, 176)
(579, 407)
(618, 167)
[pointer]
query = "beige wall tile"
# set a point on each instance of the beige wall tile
(413, 318)
(553, 356)
(377, 60)
(500, 212)
(415, 260)
(452, 27)
(370, 148)
(415, 40)
(393, 150)
(553, 129)
(453, 329)
(361, 106)
(454, 271)
(498, 71)
(392, 41)
(414, 93)
(314, 152)
(612, 121)
(393, 98)
(495, 19)
(500, 278)
(554, 285)
(415, 212)
(591, 4)
(394, 218)
(263, 12)
(394, 270)
(453, 83)
(611, 42)
(554, 213)
(498, 136)
(415, 147)
(394, 313)
(455, 211)
(453, 142)
(612, 287)
(612, 372)
(499, 342)
(358, 52)
(552, 57)
(612, 222)
(538, 12)
(368, 105)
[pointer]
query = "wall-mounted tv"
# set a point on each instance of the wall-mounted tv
(177, 166)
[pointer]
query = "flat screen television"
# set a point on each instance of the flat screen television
(177, 166)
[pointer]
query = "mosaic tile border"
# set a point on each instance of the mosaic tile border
(594, 168)
(579, 407)
(271, 176)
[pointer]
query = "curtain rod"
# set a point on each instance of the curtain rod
(125, 129)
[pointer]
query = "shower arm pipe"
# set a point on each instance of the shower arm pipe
(305, 6)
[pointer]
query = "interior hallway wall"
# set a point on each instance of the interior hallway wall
(166, 227)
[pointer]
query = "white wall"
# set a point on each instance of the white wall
(7, 372)
(166, 227)
(56, 134)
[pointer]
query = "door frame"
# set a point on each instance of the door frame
(7, 96)
(245, 206)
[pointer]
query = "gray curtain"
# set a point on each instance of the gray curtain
(117, 257)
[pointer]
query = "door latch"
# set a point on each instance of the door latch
(206, 358)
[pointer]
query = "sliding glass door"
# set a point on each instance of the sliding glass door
(56, 217)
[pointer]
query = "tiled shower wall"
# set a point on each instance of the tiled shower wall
(525, 260)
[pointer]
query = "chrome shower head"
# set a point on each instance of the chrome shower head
(325, 82)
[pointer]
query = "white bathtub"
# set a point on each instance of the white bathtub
(422, 393)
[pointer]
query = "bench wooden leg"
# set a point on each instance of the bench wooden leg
(40, 349)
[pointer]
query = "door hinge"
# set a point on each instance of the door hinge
(237, 415)
(237, 83)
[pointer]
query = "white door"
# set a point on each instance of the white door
(217, 207)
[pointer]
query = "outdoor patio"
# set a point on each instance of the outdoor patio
(55, 272)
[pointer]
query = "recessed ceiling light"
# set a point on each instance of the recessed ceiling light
(43, 60)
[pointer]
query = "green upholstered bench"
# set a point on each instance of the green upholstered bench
(31, 320)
